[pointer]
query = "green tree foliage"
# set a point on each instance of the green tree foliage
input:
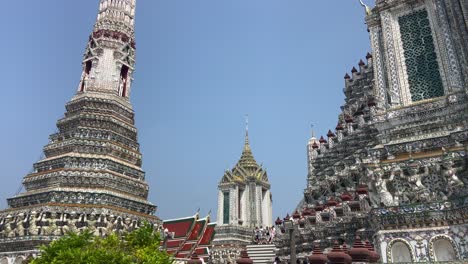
(138, 247)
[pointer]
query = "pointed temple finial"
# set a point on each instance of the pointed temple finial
(247, 156)
(246, 132)
(247, 123)
(366, 7)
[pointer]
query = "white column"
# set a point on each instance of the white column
(246, 206)
(378, 63)
(258, 203)
(220, 208)
(267, 212)
(264, 209)
(232, 206)
(391, 59)
(270, 208)
(241, 206)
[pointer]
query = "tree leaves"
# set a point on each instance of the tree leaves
(138, 247)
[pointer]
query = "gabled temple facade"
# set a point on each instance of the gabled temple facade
(188, 236)
(244, 202)
(244, 197)
(91, 175)
(395, 171)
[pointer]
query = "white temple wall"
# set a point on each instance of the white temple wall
(270, 209)
(246, 205)
(266, 209)
(243, 206)
(441, 243)
(232, 206)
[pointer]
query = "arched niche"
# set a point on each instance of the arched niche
(18, 260)
(399, 250)
(4, 260)
(443, 248)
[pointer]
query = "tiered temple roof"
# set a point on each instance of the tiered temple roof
(189, 235)
(246, 168)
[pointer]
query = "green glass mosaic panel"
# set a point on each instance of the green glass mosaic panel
(226, 208)
(421, 60)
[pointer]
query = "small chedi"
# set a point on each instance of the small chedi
(394, 170)
(91, 175)
(244, 203)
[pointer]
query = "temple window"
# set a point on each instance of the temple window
(123, 79)
(424, 78)
(226, 208)
(443, 250)
(88, 66)
(400, 253)
(18, 260)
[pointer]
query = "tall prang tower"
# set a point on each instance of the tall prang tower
(395, 170)
(91, 175)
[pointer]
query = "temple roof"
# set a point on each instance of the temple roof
(191, 234)
(247, 159)
(246, 168)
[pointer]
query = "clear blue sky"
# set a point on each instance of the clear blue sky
(201, 66)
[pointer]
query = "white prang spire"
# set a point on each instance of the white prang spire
(109, 60)
(311, 151)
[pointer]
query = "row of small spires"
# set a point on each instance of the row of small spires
(347, 118)
(360, 252)
(354, 70)
(332, 202)
(339, 127)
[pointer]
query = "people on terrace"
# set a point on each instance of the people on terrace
(264, 235)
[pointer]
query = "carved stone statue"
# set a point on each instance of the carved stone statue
(60, 223)
(33, 230)
(381, 184)
(415, 177)
(92, 222)
(449, 172)
(41, 223)
(52, 229)
(127, 223)
(13, 227)
(19, 224)
(72, 223)
(25, 224)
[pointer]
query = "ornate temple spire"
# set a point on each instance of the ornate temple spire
(109, 60)
(247, 166)
(247, 158)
